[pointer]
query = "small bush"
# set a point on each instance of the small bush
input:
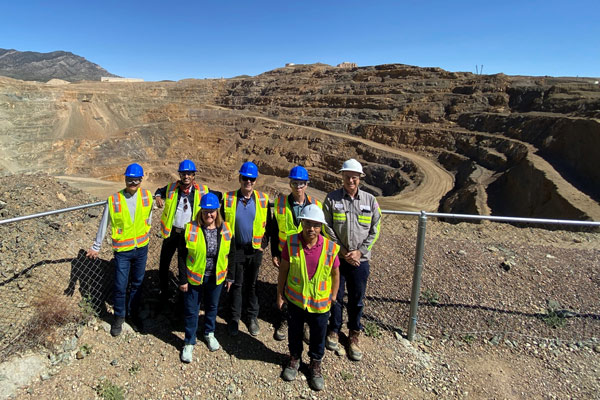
(553, 319)
(135, 368)
(372, 330)
(346, 375)
(430, 296)
(51, 312)
(109, 391)
(468, 339)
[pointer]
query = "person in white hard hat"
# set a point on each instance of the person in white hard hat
(353, 222)
(308, 283)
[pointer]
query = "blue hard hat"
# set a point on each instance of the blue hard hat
(299, 173)
(209, 201)
(249, 169)
(187, 166)
(134, 171)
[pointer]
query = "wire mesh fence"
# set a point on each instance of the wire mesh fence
(479, 280)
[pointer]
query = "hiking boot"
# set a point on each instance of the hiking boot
(306, 334)
(331, 341)
(117, 326)
(211, 341)
(354, 351)
(186, 353)
(281, 331)
(233, 328)
(291, 370)
(253, 327)
(315, 377)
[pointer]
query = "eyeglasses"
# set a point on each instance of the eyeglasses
(298, 184)
(311, 224)
(248, 179)
(133, 181)
(208, 211)
(186, 173)
(351, 178)
(185, 204)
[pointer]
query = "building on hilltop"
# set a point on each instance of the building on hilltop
(290, 64)
(347, 64)
(115, 79)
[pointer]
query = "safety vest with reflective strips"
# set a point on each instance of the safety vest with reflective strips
(166, 220)
(196, 258)
(285, 218)
(313, 295)
(260, 218)
(127, 235)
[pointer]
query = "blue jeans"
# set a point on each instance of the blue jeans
(317, 324)
(210, 292)
(130, 266)
(355, 279)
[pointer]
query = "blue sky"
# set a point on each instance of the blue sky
(157, 40)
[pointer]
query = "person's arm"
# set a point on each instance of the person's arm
(284, 267)
(328, 231)
(97, 245)
(159, 196)
(273, 229)
(231, 265)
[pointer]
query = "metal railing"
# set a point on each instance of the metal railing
(392, 296)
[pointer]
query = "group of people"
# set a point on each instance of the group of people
(320, 249)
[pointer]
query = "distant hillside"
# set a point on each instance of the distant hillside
(32, 66)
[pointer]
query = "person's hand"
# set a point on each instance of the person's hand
(261, 249)
(276, 261)
(91, 253)
(353, 257)
(159, 201)
(183, 288)
(228, 285)
(281, 300)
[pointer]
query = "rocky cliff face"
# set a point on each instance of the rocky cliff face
(495, 144)
(42, 67)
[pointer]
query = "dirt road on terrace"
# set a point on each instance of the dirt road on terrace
(426, 196)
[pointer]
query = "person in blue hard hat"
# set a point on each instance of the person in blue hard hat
(286, 211)
(211, 247)
(181, 201)
(247, 212)
(130, 214)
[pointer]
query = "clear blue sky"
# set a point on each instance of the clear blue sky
(157, 40)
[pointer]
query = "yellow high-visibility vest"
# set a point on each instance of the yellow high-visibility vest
(260, 217)
(166, 220)
(313, 295)
(285, 217)
(196, 258)
(127, 235)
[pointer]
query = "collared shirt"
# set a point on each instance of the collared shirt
(245, 211)
(360, 227)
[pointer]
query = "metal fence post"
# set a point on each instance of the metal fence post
(416, 283)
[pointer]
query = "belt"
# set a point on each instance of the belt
(178, 230)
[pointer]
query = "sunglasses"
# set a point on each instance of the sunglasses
(298, 184)
(311, 224)
(187, 173)
(248, 179)
(185, 204)
(135, 181)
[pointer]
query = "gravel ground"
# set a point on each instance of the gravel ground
(491, 294)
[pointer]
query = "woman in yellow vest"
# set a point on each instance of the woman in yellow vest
(308, 282)
(209, 241)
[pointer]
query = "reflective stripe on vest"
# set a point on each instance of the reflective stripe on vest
(260, 217)
(285, 218)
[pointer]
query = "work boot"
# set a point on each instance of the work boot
(253, 327)
(331, 341)
(291, 370)
(281, 331)
(117, 326)
(186, 353)
(354, 351)
(315, 377)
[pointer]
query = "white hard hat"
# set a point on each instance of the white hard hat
(312, 212)
(352, 165)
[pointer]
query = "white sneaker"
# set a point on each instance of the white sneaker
(211, 342)
(186, 353)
